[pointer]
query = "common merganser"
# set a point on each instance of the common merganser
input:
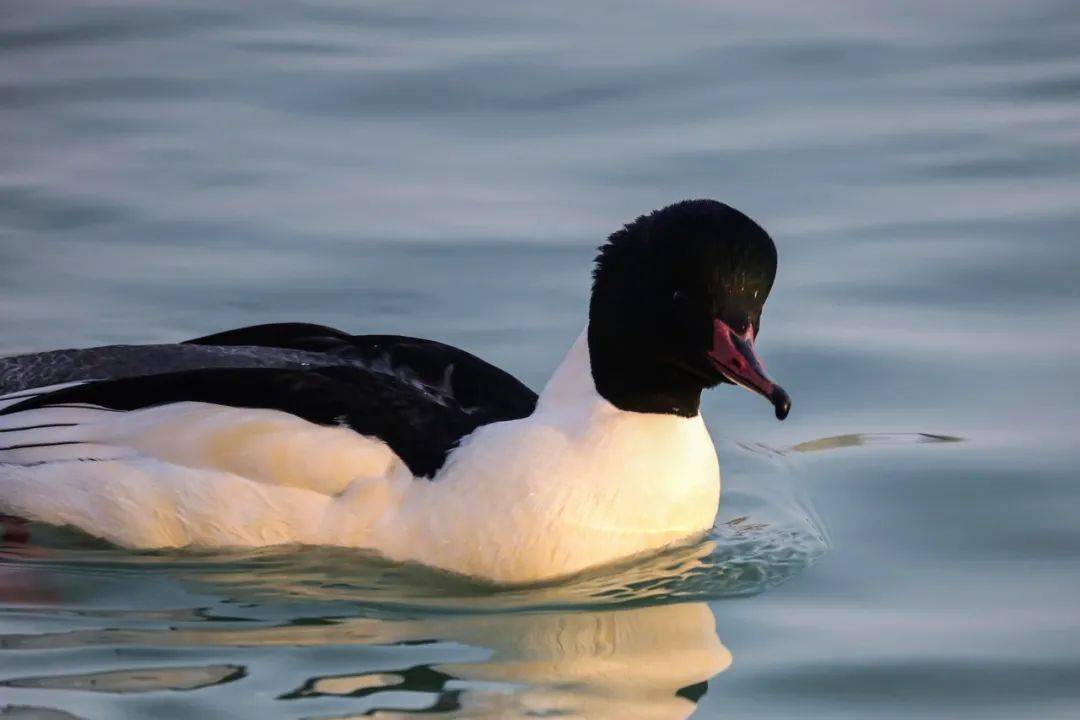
(297, 433)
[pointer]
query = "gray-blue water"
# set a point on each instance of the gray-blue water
(446, 170)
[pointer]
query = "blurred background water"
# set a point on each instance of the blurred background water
(446, 170)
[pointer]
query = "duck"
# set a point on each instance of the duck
(411, 449)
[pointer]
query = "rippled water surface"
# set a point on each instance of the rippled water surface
(446, 170)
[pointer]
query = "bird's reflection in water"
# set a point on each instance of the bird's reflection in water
(328, 633)
(642, 662)
(648, 662)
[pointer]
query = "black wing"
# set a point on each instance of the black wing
(419, 396)
(419, 427)
(26, 373)
(441, 369)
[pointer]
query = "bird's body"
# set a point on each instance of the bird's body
(560, 490)
(419, 451)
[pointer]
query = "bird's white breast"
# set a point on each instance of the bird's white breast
(576, 484)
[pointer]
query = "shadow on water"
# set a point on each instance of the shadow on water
(862, 439)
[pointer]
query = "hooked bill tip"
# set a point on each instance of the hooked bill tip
(781, 402)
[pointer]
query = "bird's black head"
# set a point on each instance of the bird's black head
(676, 305)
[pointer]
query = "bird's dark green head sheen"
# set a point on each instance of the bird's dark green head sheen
(676, 307)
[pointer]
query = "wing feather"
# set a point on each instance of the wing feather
(325, 407)
(417, 397)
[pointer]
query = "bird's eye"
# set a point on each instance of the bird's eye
(741, 324)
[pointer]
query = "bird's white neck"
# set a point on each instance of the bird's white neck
(571, 391)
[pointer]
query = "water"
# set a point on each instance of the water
(446, 170)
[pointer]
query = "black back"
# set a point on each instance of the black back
(441, 369)
(418, 396)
